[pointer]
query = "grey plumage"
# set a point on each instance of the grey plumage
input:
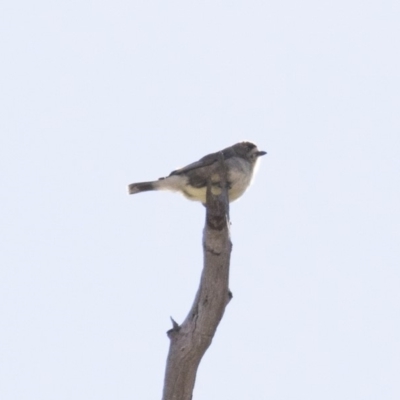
(240, 160)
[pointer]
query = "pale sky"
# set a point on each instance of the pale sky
(96, 95)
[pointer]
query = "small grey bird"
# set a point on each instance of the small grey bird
(191, 181)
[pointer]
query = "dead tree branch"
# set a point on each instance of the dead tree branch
(189, 341)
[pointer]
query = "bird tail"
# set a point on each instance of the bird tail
(134, 188)
(173, 183)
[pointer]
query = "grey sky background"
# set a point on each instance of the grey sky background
(95, 95)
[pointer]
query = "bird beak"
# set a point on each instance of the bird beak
(261, 153)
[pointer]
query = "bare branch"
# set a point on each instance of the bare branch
(189, 341)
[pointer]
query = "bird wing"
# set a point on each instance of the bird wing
(206, 161)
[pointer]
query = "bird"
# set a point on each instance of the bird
(240, 162)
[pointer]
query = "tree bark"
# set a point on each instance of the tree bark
(189, 341)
